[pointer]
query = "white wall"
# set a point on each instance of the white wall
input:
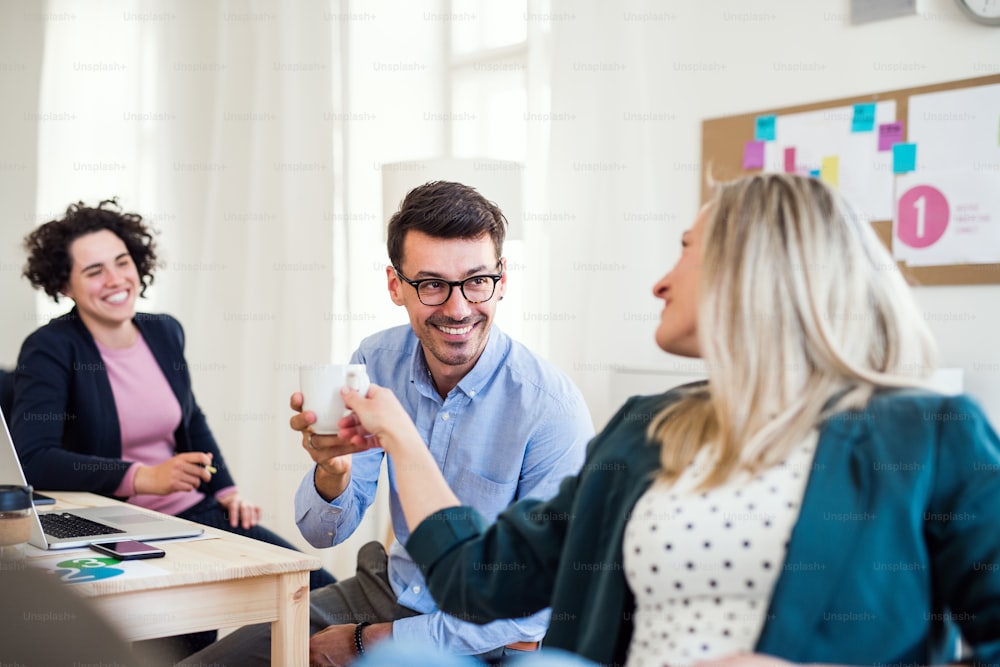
(627, 187)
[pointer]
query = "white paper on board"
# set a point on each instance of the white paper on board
(865, 173)
(970, 234)
(957, 129)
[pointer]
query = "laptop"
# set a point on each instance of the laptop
(72, 529)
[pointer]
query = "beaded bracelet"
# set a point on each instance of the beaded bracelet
(358, 644)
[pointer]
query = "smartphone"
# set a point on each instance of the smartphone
(42, 499)
(129, 550)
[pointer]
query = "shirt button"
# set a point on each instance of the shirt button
(416, 589)
(445, 416)
(472, 393)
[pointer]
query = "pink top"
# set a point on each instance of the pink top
(148, 415)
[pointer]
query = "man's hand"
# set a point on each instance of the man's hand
(183, 472)
(334, 646)
(331, 454)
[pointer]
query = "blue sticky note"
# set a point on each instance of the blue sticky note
(764, 130)
(814, 173)
(904, 158)
(864, 118)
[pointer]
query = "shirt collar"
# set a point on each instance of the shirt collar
(497, 346)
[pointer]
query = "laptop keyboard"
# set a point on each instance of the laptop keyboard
(63, 525)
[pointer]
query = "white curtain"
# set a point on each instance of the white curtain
(218, 122)
(253, 183)
(611, 212)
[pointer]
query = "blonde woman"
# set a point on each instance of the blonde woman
(809, 503)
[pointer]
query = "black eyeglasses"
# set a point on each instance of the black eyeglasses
(435, 291)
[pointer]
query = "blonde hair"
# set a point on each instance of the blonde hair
(802, 312)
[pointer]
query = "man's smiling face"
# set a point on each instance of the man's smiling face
(454, 333)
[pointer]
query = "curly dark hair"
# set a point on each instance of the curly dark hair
(49, 260)
(445, 210)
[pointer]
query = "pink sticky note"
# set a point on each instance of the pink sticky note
(889, 134)
(753, 155)
(790, 160)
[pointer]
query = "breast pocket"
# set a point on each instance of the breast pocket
(486, 495)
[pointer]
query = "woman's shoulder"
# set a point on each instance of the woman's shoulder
(895, 406)
(157, 320)
(653, 404)
(157, 327)
(912, 421)
(635, 415)
(67, 326)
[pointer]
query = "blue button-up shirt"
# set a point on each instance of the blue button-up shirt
(512, 428)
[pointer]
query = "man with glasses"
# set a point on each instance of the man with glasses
(502, 423)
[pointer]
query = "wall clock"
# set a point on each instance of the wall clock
(986, 12)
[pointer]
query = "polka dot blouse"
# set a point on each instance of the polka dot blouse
(702, 565)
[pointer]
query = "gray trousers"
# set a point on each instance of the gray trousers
(367, 596)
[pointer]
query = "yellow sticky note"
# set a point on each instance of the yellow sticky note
(829, 171)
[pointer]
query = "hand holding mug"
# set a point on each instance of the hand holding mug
(320, 385)
(319, 408)
(326, 450)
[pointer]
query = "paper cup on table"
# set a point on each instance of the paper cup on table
(320, 385)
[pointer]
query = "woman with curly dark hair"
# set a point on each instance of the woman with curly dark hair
(102, 395)
(49, 258)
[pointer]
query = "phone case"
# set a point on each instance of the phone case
(158, 553)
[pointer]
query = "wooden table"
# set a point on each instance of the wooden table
(214, 583)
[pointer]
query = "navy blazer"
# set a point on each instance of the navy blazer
(64, 422)
(896, 545)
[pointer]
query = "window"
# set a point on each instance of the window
(488, 79)
(487, 87)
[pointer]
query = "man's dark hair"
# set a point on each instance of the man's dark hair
(49, 262)
(445, 210)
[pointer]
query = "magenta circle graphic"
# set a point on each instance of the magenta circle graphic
(922, 216)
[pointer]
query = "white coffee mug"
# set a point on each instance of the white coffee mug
(321, 384)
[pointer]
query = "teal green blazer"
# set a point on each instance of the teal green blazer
(895, 551)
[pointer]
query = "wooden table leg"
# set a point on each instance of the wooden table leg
(290, 632)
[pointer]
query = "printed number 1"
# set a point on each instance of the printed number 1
(921, 216)
(921, 206)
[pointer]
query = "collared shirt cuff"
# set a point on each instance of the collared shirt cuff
(318, 520)
(307, 497)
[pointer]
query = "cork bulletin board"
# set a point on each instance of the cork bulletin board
(724, 140)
